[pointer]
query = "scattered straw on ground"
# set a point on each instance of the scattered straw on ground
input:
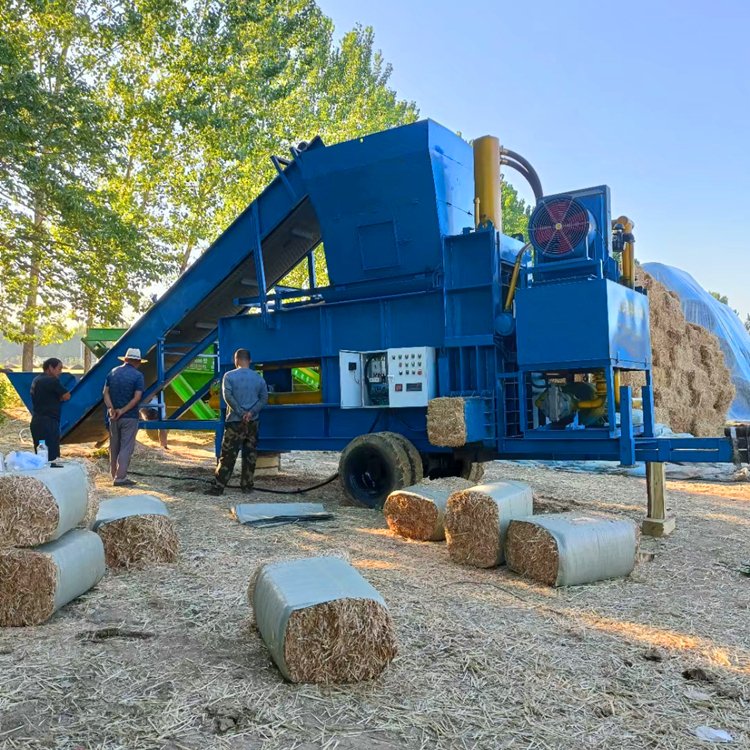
(139, 540)
(692, 384)
(418, 512)
(346, 640)
(29, 514)
(486, 659)
(28, 580)
(446, 422)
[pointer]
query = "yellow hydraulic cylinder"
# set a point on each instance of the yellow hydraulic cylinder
(487, 182)
(628, 253)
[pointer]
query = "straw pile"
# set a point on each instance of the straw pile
(477, 519)
(692, 384)
(322, 622)
(136, 531)
(569, 549)
(34, 583)
(40, 506)
(418, 512)
(446, 422)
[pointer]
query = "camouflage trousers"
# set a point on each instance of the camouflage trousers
(238, 436)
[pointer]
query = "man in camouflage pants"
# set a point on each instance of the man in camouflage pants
(245, 394)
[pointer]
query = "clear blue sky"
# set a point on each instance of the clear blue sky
(649, 97)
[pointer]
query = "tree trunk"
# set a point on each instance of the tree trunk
(88, 356)
(30, 312)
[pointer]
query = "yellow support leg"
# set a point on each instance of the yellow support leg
(657, 523)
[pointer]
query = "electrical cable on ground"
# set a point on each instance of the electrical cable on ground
(299, 491)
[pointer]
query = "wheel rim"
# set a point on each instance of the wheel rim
(368, 477)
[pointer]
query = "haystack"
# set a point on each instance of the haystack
(418, 512)
(35, 583)
(39, 506)
(692, 384)
(446, 422)
(477, 519)
(322, 621)
(568, 549)
(136, 530)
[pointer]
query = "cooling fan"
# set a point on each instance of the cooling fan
(559, 226)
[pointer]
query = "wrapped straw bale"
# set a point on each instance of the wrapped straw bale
(418, 512)
(40, 506)
(568, 549)
(136, 530)
(477, 519)
(35, 583)
(322, 621)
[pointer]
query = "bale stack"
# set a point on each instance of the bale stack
(322, 621)
(692, 384)
(136, 530)
(418, 512)
(35, 583)
(477, 518)
(569, 549)
(45, 562)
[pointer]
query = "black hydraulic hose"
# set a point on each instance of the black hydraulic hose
(536, 186)
(300, 491)
(529, 172)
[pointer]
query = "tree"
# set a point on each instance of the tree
(747, 323)
(57, 145)
(720, 297)
(515, 212)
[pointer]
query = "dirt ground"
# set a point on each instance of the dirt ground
(486, 659)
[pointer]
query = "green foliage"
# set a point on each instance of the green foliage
(747, 323)
(133, 131)
(720, 297)
(7, 395)
(515, 212)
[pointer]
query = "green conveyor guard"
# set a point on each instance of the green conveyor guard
(185, 391)
(307, 376)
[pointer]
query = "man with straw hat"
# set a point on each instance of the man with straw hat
(122, 395)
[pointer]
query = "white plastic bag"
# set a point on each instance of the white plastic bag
(24, 461)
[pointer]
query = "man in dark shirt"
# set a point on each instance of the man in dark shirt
(122, 394)
(47, 393)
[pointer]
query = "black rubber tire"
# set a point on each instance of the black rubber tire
(438, 465)
(414, 456)
(371, 467)
(472, 471)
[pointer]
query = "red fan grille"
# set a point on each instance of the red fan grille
(559, 226)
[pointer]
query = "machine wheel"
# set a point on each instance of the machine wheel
(372, 466)
(415, 458)
(438, 465)
(472, 470)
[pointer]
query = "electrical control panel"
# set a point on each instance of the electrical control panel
(393, 378)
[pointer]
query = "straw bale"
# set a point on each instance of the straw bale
(446, 422)
(692, 384)
(568, 549)
(477, 519)
(418, 512)
(322, 621)
(136, 530)
(137, 541)
(34, 583)
(39, 506)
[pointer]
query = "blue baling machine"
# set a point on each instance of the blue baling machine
(427, 300)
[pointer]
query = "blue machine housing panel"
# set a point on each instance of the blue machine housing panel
(572, 325)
